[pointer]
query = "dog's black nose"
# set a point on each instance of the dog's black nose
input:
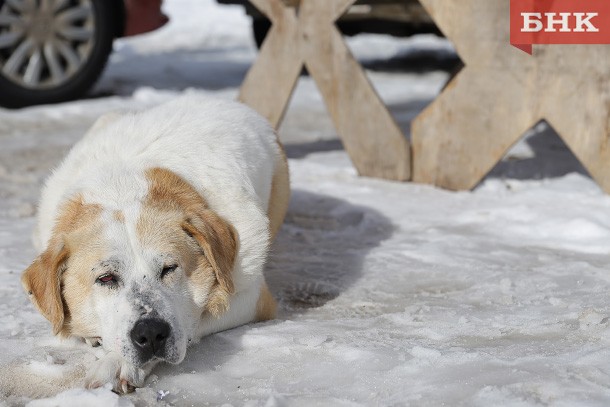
(149, 336)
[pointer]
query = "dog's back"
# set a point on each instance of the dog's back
(224, 149)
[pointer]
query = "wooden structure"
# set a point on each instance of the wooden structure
(484, 110)
(303, 33)
(502, 92)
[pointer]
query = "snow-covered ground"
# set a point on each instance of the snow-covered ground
(390, 293)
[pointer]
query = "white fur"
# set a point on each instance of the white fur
(226, 151)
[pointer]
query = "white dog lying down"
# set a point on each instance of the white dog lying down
(154, 232)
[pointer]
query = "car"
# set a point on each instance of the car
(394, 17)
(54, 50)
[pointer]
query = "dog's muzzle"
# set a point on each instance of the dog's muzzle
(149, 337)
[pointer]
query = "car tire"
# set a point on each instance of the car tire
(79, 75)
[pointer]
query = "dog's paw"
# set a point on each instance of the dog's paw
(123, 376)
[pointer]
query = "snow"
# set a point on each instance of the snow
(390, 293)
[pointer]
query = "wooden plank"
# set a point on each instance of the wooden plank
(502, 92)
(458, 139)
(370, 135)
(373, 140)
(270, 82)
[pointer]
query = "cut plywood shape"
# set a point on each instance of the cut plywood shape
(502, 92)
(372, 139)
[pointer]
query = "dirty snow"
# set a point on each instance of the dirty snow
(390, 293)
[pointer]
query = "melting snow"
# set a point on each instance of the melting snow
(389, 293)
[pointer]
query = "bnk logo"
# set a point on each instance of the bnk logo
(559, 22)
(533, 22)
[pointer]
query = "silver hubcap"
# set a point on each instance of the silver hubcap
(44, 43)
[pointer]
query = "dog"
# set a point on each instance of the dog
(154, 232)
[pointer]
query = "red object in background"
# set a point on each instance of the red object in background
(573, 22)
(143, 16)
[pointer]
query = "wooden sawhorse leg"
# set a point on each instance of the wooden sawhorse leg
(502, 92)
(307, 36)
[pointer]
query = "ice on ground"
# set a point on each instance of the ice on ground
(390, 293)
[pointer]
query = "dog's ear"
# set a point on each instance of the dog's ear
(219, 241)
(42, 282)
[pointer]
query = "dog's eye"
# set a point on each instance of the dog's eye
(107, 279)
(168, 269)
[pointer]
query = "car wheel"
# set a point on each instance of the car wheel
(52, 50)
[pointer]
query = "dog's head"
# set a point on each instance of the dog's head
(138, 278)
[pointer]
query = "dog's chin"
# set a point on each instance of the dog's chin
(175, 355)
(172, 361)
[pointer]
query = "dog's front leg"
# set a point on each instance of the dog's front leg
(113, 369)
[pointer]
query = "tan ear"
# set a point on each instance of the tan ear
(42, 282)
(219, 241)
